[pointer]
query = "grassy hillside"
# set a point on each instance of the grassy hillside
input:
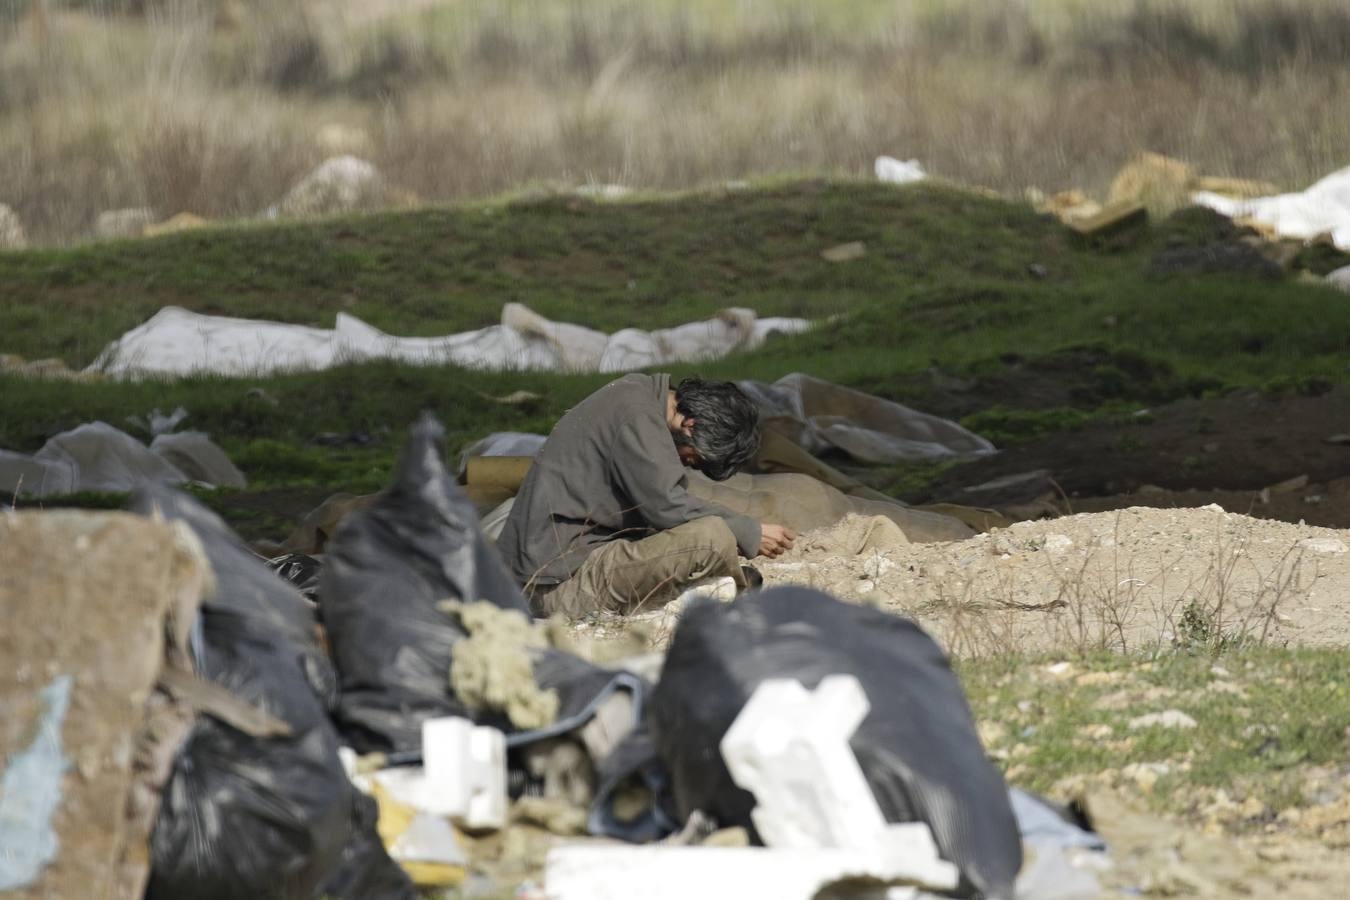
(951, 281)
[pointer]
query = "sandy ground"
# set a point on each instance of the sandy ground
(1119, 580)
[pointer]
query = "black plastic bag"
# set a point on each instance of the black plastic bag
(386, 569)
(385, 573)
(366, 872)
(246, 816)
(299, 570)
(918, 746)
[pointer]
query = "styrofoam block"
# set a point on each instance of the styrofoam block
(653, 872)
(463, 775)
(789, 747)
(466, 766)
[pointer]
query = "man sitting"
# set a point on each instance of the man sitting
(604, 520)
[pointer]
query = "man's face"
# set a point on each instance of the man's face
(682, 434)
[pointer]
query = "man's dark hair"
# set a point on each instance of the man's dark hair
(726, 425)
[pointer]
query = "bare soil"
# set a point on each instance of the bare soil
(1245, 441)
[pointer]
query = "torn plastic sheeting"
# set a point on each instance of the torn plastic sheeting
(176, 341)
(917, 746)
(1064, 857)
(98, 457)
(195, 455)
(821, 416)
(241, 815)
(1323, 208)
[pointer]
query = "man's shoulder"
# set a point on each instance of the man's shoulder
(635, 391)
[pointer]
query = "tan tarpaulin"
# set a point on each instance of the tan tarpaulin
(802, 503)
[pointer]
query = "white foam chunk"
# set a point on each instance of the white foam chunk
(790, 748)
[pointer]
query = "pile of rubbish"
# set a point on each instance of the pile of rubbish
(411, 720)
(176, 342)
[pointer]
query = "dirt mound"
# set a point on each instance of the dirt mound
(1125, 580)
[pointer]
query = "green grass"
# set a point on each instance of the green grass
(1261, 714)
(945, 282)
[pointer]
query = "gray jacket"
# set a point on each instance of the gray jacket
(608, 471)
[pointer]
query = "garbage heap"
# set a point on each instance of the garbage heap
(184, 721)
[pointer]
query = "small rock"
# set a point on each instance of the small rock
(1145, 774)
(1341, 440)
(1097, 732)
(1057, 543)
(1211, 447)
(844, 252)
(1323, 545)
(877, 565)
(340, 184)
(1219, 672)
(1037, 270)
(1252, 808)
(992, 733)
(1171, 718)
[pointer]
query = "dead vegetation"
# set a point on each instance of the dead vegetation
(215, 107)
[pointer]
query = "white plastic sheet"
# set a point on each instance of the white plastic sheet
(896, 171)
(821, 416)
(1323, 208)
(178, 342)
(98, 457)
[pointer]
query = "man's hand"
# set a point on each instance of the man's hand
(774, 539)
